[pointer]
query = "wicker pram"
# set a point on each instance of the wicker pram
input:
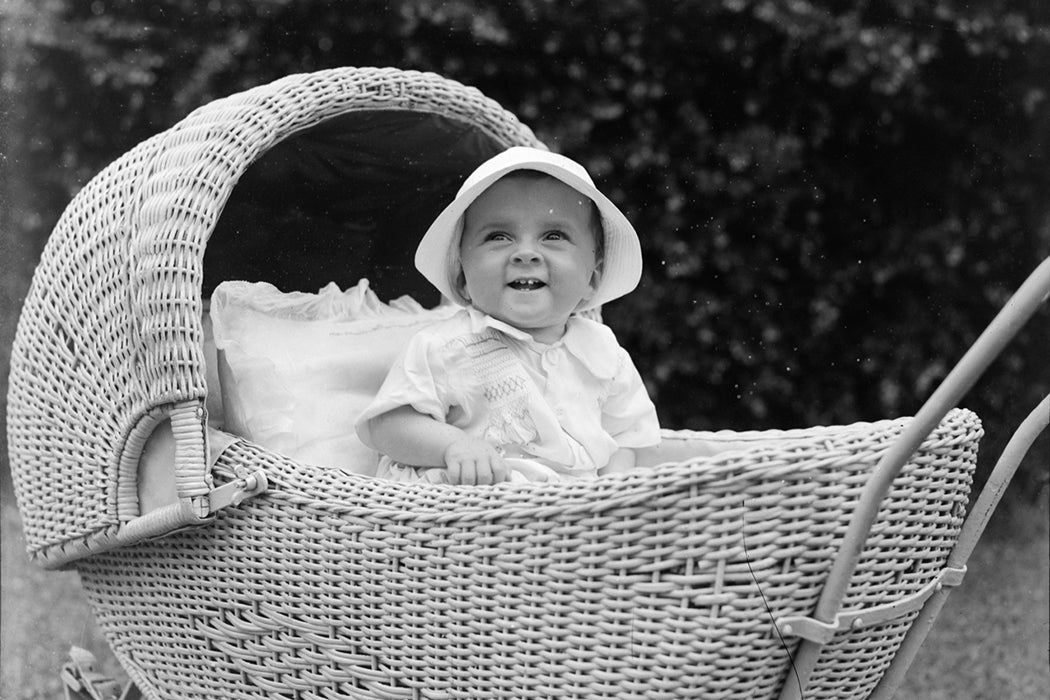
(801, 563)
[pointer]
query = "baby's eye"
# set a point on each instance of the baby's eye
(497, 236)
(556, 236)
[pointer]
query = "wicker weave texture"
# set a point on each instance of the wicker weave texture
(661, 583)
(657, 584)
(111, 333)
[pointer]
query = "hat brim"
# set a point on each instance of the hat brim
(437, 256)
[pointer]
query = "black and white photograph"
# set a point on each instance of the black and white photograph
(525, 349)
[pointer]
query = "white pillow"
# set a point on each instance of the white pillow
(296, 369)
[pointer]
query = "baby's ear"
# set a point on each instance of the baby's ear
(596, 276)
(461, 285)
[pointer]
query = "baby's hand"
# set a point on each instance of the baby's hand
(474, 462)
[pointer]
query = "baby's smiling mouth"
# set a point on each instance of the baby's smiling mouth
(526, 284)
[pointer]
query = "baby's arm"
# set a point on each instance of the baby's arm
(410, 437)
(629, 416)
(622, 460)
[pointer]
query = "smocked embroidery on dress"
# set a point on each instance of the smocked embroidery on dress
(505, 386)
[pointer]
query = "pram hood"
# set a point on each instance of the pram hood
(314, 177)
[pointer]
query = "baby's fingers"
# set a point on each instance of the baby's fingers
(457, 471)
(464, 471)
(500, 470)
(480, 471)
(491, 470)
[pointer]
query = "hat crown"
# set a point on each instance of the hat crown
(525, 158)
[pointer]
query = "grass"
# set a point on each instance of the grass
(992, 639)
(42, 614)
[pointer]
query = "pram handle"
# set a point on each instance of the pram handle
(1032, 294)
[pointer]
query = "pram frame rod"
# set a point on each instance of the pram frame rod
(1028, 298)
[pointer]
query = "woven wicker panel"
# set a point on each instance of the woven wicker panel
(70, 394)
(658, 583)
(111, 333)
(852, 666)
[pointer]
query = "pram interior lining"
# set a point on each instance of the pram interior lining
(344, 199)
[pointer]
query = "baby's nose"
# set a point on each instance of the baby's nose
(525, 255)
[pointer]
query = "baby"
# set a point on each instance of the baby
(518, 385)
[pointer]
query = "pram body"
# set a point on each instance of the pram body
(798, 563)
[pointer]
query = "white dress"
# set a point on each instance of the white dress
(558, 411)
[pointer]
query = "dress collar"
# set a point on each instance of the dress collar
(481, 321)
(586, 340)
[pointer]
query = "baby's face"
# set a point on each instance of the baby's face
(528, 253)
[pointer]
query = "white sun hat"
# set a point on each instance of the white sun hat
(437, 256)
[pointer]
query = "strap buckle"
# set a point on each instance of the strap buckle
(239, 489)
(821, 632)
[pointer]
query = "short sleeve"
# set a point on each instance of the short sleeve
(628, 414)
(418, 378)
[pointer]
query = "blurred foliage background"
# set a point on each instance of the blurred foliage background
(834, 197)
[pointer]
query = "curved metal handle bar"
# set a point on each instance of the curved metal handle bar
(1022, 305)
(1015, 450)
